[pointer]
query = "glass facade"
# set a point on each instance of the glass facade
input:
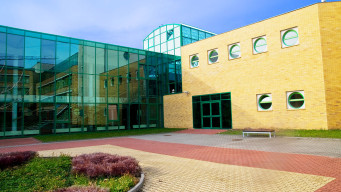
(54, 84)
(168, 39)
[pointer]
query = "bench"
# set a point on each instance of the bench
(259, 131)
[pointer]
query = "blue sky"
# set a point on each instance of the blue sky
(128, 22)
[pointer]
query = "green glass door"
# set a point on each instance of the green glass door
(211, 114)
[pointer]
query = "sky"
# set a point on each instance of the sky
(128, 22)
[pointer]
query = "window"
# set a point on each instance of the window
(295, 100)
(120, 79)
(128, 77)
(234, 51)
(194, 59)
(105, 83)
(289, 37)
(259, 45)
(264, 102)
(105, 111)
(213, 56)
(112, 81)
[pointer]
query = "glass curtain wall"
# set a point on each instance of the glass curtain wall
(52, 84)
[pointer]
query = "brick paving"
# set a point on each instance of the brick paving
(327, 168)
(18, 141)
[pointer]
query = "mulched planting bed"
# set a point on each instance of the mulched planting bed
(97, 172)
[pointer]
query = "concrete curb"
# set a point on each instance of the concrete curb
(139, 185)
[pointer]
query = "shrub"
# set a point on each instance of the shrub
(105, 165)
(82, 189)
(15, 158)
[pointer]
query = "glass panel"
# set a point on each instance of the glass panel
(206, 122)
(157, 40)
(89, 60)
(216, 122)
(74, 52)
(170, 45)
(226, 114)
(63, 55)
(196, 114)
(163, 37)
(194, 34)
(201, 35)
(215, 97)
(177, 32)
(113, 62)
(100, 61)
(215, 108)
(206, 109)
(15, 50)
(186, 32)
(205, 98)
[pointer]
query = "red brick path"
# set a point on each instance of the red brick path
(18, 141)
(299, 163)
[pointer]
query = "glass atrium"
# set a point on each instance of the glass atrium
(54, 84)
(168, 39)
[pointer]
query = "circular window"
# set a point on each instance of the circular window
(260, 45)
(290, 38)
(265, 102)
(195, 61)
(235, 51)
(213, 56)
(296, 100)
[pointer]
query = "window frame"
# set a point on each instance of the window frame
(255, 40)
(259, 96)
(209, 56)
(284, 32)
(290, 94)
(230, 47)
(191, 60)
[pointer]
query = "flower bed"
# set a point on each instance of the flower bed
(89, 172)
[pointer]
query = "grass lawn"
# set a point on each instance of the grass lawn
(48, 174)
(297, 133)
(102, 134)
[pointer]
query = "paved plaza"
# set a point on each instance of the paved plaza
(202, 161)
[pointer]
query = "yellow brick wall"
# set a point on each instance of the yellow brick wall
(330, 23)
(277, 71)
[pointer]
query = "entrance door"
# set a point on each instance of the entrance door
(211, 114)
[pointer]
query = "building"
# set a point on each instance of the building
(283, 72)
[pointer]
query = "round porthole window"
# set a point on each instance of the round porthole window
(260, 45)
(290, 38)
(195, 61)
(296, 100)
(234, 51)
(265, 102)
(213, 56)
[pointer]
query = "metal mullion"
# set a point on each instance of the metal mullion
(106, 64)
(69, 85)
(95, 123)
(118, 88)
(82, 88)
(39, 88)
(5, 108)
(55, 90)
(22, 93)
